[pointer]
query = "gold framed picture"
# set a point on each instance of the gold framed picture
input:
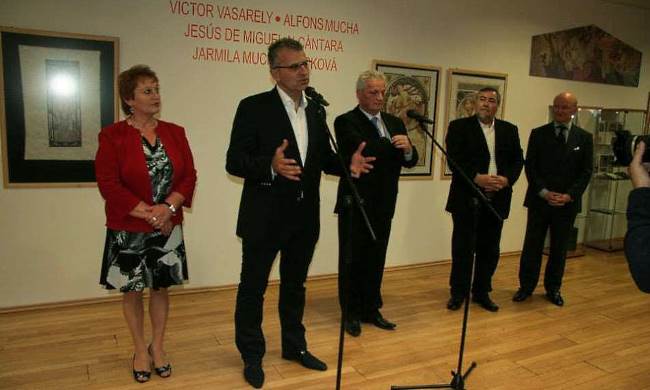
(462, 87)
(412, 87)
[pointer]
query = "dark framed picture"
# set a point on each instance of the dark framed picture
(462, 87)
(413, 87)
(58, 90)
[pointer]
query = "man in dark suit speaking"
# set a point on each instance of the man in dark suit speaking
(386, 140)
(559, 163)
(279, 145)
(488, 151)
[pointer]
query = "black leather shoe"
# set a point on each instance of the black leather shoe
(455, 303)
(254, 374)
(379, 321)
(353, 327)
(555, 298)
(485, 302)
(520, 296)
(307, 360)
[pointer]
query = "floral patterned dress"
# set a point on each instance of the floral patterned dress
(134, 261)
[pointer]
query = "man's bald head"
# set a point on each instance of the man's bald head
(565, 106)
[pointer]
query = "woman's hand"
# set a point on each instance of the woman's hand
(167, 228)
(159, 215)
(142, 211)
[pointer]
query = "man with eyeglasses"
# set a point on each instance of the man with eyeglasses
(386, 139)
(279, 145)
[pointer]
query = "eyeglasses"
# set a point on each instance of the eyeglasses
(294, 67)
(150, 91)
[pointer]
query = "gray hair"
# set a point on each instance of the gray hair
(369, 75)
(282, 43)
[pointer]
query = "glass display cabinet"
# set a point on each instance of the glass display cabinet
(605, 222)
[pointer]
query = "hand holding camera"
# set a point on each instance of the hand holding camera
(638, 170)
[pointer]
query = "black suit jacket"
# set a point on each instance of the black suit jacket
(378, 188)
(637, 238)
(467, 146)
(270, 205)
(560, 168)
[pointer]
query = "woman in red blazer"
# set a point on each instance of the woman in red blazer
(145, 172)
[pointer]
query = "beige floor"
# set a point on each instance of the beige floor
(599, 340)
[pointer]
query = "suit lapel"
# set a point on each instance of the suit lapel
(479, 135)
(572, 141)
(388, 126)
(559, 150)
(367, 127)
(312, 128)
(499, 136)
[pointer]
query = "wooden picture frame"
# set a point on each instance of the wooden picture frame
(410, 86)
(647, 117)
(462, 86)
(58, 90)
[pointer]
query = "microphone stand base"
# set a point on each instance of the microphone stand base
(457, 382)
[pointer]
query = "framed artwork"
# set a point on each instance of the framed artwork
(462, 87)
(58, 90)
(413, 87)
(585, 54)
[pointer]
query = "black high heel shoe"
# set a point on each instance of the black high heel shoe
(164, 371)
(140, 376)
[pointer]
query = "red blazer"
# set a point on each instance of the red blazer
(122, 175)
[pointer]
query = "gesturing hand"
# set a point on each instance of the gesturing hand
(359, 163)
(286, 167)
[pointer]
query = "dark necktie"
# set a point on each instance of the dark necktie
(560, 134)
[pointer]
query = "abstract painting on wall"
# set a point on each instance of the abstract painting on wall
(585, 54)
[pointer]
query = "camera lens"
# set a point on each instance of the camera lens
(623, 145)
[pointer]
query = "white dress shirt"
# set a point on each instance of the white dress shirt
(298, 119)
(488, 132)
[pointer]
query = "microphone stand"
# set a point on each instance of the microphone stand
(349, 203)
(458, 377)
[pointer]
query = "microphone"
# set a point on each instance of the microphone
(315, 96)
(418, 117)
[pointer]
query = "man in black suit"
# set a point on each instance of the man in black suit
(488, 151)
(558, 167)
(279, 145)
(386, 140)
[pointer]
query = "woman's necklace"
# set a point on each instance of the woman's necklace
(148, 124)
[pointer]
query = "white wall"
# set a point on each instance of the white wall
(51, 240)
